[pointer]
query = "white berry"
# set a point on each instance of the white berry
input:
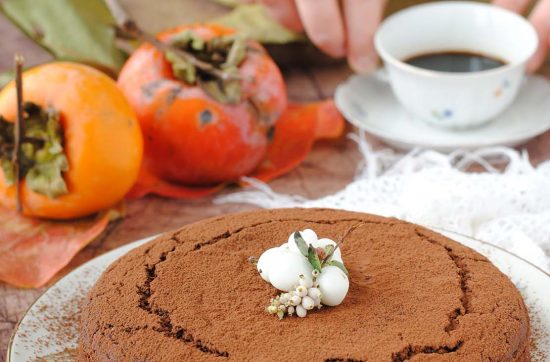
(305, 281)
(314, 293)
(309, 236)
(295, 300)
(264, 263)
(285, 298)
(333, 284)
(301, 311)
(317, 302)
(290, 310)
(315, 273)
(285, 269)
(292, 244)
(301, 291)
(308, 303)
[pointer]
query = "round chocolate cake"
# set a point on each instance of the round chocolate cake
(193, 295)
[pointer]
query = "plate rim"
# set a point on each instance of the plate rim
(27, 310)
(152, 237)
(386, 135)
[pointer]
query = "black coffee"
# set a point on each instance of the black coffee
(455, 62)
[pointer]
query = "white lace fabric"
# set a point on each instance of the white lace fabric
(509, 207)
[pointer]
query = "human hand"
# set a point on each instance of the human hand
(338, 31)
(540, 18)
(349, 30)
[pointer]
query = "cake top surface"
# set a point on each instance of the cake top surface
(193, 295)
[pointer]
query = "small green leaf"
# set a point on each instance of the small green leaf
(76, 30)
(338, 264)
(313, 258)
(229, 3)
(7, 168)
(232, 90)
(253, 21)
(188, 40)
(223, 53)
(42, 160)
(301, 243)
(47, 178)
(224, 92)
(236, 54)
(182, 69)
(198, 44)
(329, 249)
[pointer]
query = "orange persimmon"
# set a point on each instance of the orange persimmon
(101, 140)
(190, 137)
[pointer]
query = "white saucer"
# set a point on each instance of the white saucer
(367, 102)
(48, 331)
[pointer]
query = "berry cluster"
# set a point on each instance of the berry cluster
(308, 270)
(300, 300)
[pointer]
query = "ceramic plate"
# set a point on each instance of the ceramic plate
(48, 331)
(367, 102)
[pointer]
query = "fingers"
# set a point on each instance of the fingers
(362, 18)
(517, 6)
(324, 25)
(285, 12)
(540, 18)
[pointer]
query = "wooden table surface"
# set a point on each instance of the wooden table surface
(327, 169)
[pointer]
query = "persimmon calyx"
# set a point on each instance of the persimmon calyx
(223, 53)
(42, 160)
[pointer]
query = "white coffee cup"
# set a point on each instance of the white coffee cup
(455, 100)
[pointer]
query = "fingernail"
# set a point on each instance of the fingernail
(363, 64)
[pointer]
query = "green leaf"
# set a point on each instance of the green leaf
(223, 53)
(75, 30)
(224, 92)
(46, 175)
(47, 178)
(42, 158)
(5, 78)
(301, 243)
(7, 168)
(253, 21)
(188, 39)
(313, 258)
(340, 265)
(329, 249)
(182, 69)
(236, 54)
(229, 3)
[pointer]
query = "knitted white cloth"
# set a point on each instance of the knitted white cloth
(509, 208)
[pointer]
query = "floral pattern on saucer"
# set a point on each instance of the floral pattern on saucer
(368, 102)
(442, 115)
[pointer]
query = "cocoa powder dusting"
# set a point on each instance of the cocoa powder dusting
(59, 331)
(537, 334)
(193, 295)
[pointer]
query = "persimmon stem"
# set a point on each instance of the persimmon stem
(18, 130)
(128, 28)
